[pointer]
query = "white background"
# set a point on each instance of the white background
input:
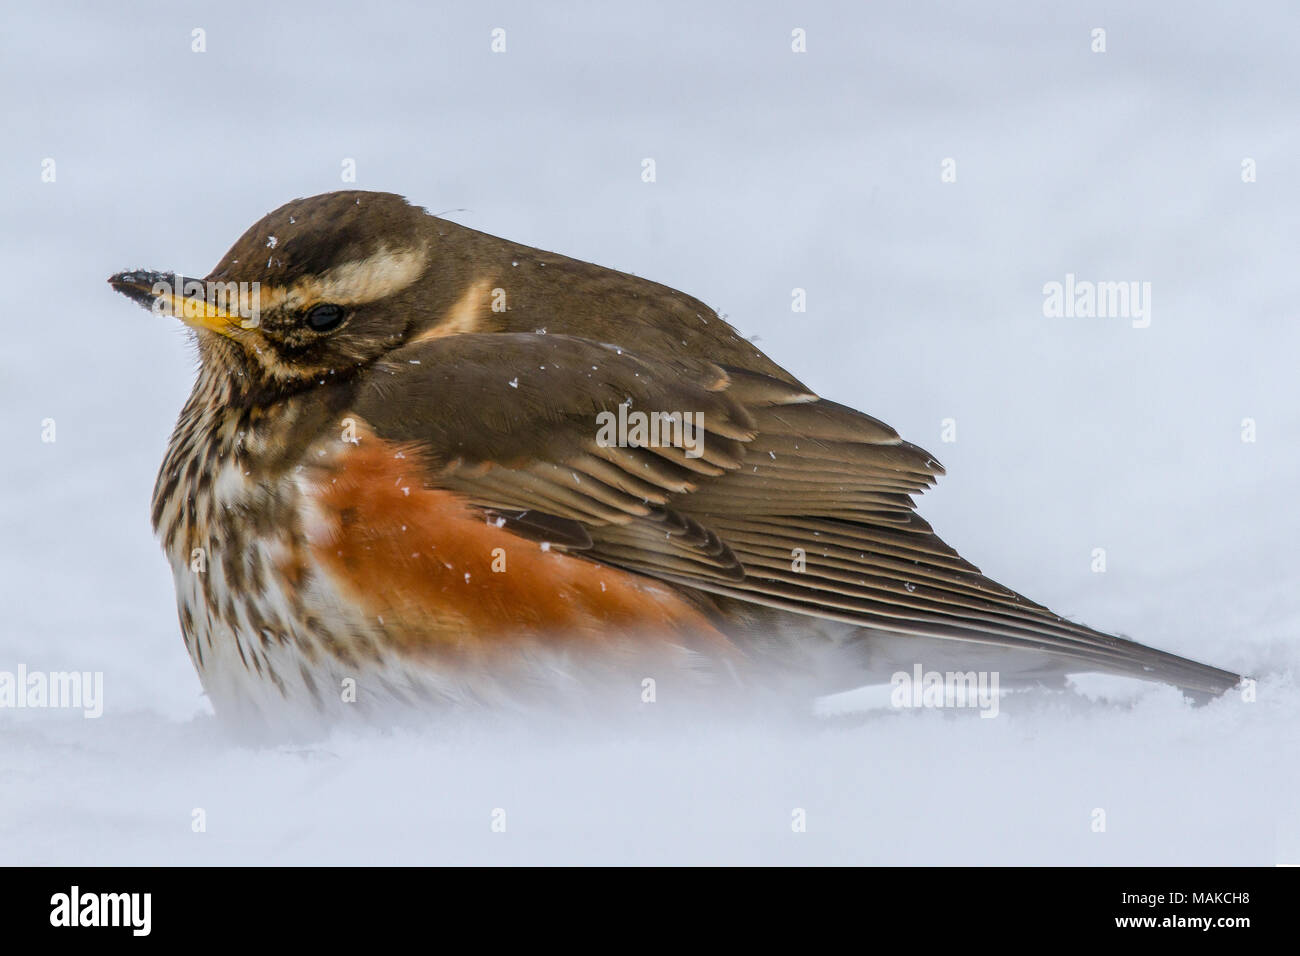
(775, 170)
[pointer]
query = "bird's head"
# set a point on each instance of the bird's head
(315, 289)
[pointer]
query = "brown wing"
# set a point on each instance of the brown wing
(793, 502)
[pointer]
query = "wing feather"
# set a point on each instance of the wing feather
(792, 502)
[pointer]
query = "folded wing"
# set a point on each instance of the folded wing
(783, 499)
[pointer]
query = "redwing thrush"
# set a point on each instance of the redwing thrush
(424, 459)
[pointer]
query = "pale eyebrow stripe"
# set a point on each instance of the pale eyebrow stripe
(376, 277)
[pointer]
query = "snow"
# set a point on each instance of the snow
(774, 171)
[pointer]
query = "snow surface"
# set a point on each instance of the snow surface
(775, 170)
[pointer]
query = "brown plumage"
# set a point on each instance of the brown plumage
(415, 400)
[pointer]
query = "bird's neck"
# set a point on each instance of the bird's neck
(224, 449)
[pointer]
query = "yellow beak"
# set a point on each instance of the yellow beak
(209, 306)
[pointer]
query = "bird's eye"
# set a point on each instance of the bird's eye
(325, 318)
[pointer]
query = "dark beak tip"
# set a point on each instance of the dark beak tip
(139, 277)
(136, 285)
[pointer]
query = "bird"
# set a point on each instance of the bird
(426, 467)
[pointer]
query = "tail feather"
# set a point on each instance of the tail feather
(812, 638)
